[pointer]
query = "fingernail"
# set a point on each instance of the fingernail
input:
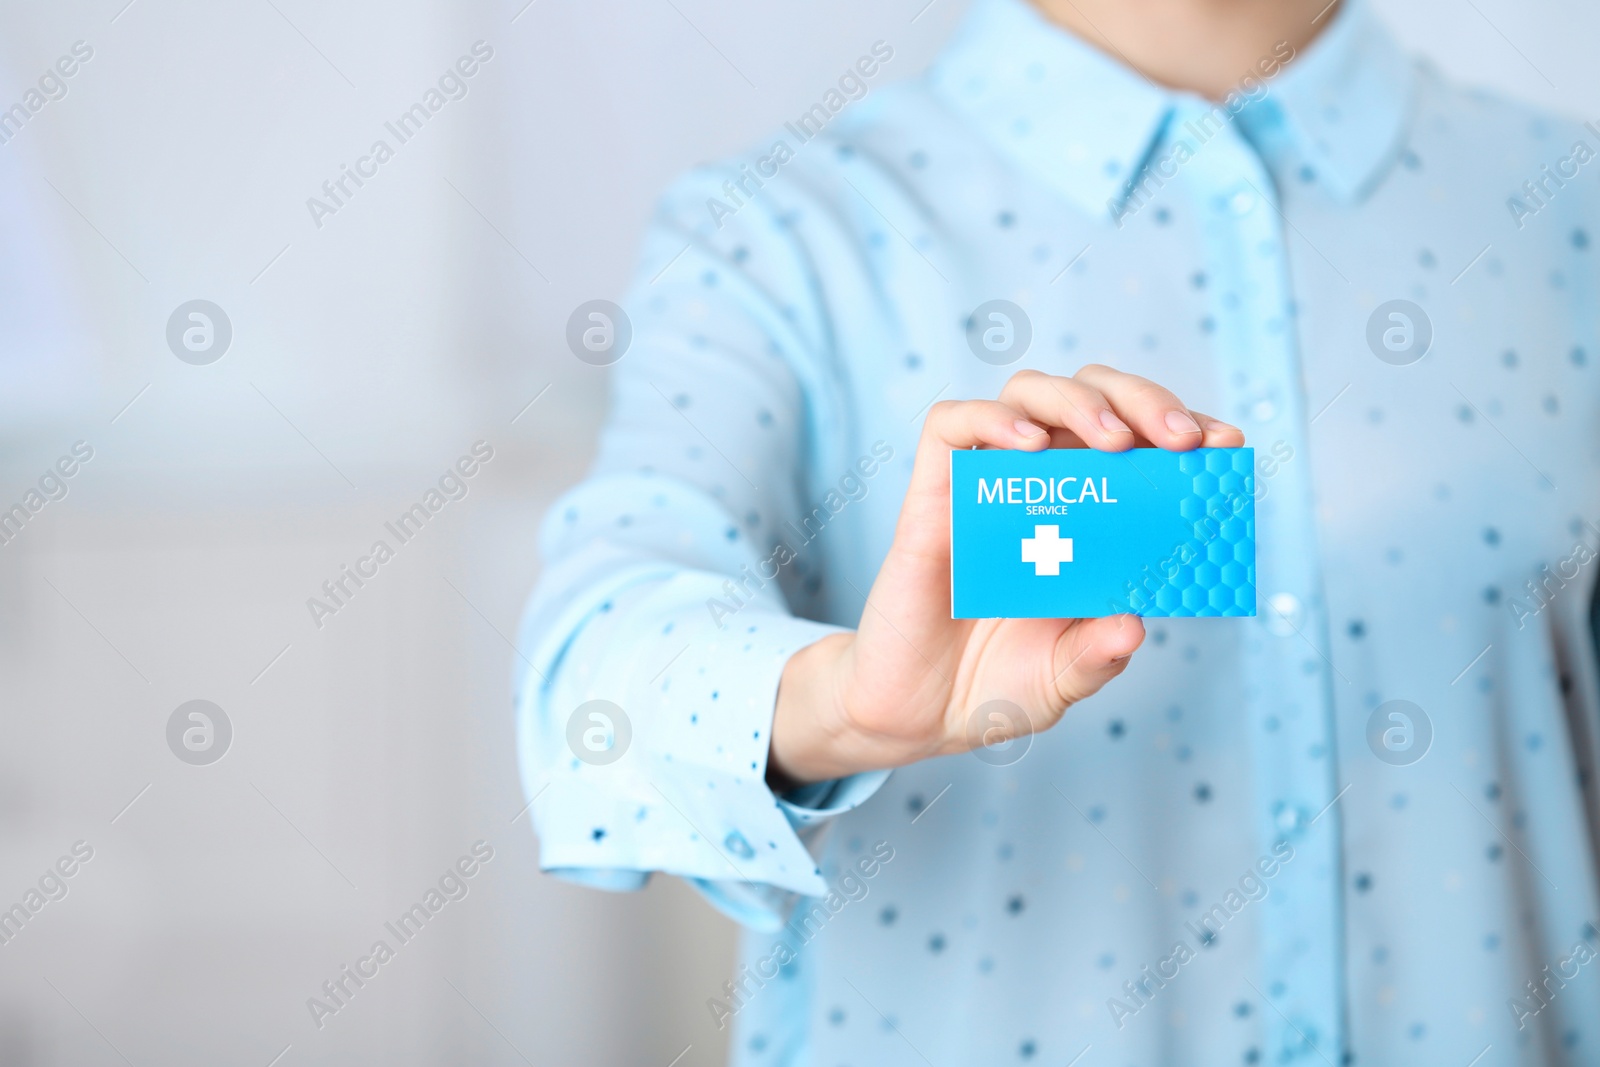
(1109, 420)
(1028, 429)
(1217, 427)
(1181, 422)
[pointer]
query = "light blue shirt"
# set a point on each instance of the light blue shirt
(1233, 854)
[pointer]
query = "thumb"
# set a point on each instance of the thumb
(1091, 652)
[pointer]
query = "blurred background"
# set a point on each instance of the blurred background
(355, 352)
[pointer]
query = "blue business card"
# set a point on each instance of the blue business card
(1073, 533)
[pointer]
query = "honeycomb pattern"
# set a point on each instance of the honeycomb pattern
(1220, 573)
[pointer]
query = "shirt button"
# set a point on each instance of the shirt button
(1242, 202)
(1263, 410)
(1283, 613)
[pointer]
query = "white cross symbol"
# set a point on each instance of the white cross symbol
(1046, 550)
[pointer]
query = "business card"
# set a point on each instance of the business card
(1073, 533)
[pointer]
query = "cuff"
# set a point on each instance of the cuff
(689, 794)
(813, 804)
(809, 810)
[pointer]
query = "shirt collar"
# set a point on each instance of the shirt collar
(1342, 106)
(1084, 123)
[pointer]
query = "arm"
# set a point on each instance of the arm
(702, 459)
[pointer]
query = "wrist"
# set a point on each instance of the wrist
(809, 741)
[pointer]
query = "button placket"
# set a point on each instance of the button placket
(1302, 937)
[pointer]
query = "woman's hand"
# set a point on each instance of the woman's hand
(903, 686)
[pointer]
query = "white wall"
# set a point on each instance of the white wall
(368, 356)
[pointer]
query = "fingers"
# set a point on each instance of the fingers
(1091, 652)
(1218, 434)
(953, 424)
(1098, 408)
(1154, 412)
(1070, 404)
(1113, 411)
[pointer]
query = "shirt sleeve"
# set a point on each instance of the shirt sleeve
(669, 591)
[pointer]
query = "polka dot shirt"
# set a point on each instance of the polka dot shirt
(1358, 828)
